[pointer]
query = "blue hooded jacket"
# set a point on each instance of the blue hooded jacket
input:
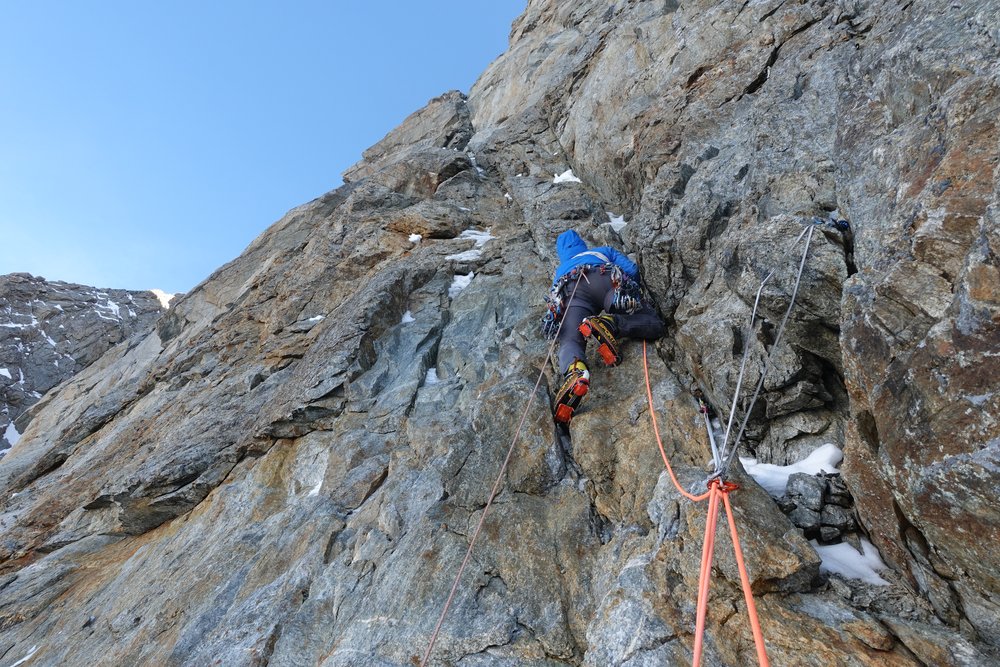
(570, 246)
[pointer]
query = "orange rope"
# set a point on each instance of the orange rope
(758, 636)
(716, 490)
(705, 576)
(656, 430)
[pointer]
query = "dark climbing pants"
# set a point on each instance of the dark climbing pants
(593, 295)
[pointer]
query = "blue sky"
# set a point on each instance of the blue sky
(145, 144)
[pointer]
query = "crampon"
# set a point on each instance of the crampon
(603, 330)
(571, 394)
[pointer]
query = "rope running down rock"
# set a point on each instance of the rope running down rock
(729, 448)
(716, 490)
(494, 491)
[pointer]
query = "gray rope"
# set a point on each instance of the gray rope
(746, 339)
(716, 456)
(743, 363)
(728, 458)
(493, 494)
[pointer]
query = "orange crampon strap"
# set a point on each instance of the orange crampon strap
(717, 490)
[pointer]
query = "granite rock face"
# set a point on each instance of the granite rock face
(49, 331)
(288, 471)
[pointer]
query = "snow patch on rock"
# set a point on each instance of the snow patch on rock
(848, 562)
(774, 478)
(460, 283)
(617, 222)
(11, 434)
(163, 297)
(566, 177)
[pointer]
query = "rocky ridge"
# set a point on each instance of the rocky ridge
(288, 470)
(49, 331)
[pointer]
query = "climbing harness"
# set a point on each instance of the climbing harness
(627, 293)
(493, 492)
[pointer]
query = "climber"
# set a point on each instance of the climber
(607, 306)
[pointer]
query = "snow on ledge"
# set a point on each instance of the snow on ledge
(479, 237)
(848, 562)
(617, 222)
(459, 284)
(475, 252)
(566, 177)
(11, 434)
(163, 297)
(467, 256)
(774, 478)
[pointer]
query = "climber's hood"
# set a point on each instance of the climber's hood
(570, 245)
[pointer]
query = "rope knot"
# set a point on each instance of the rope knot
(725, 486)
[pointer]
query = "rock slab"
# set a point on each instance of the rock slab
(289, 469)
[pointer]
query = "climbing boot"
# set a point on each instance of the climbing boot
(604, 331)
(573, 389)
